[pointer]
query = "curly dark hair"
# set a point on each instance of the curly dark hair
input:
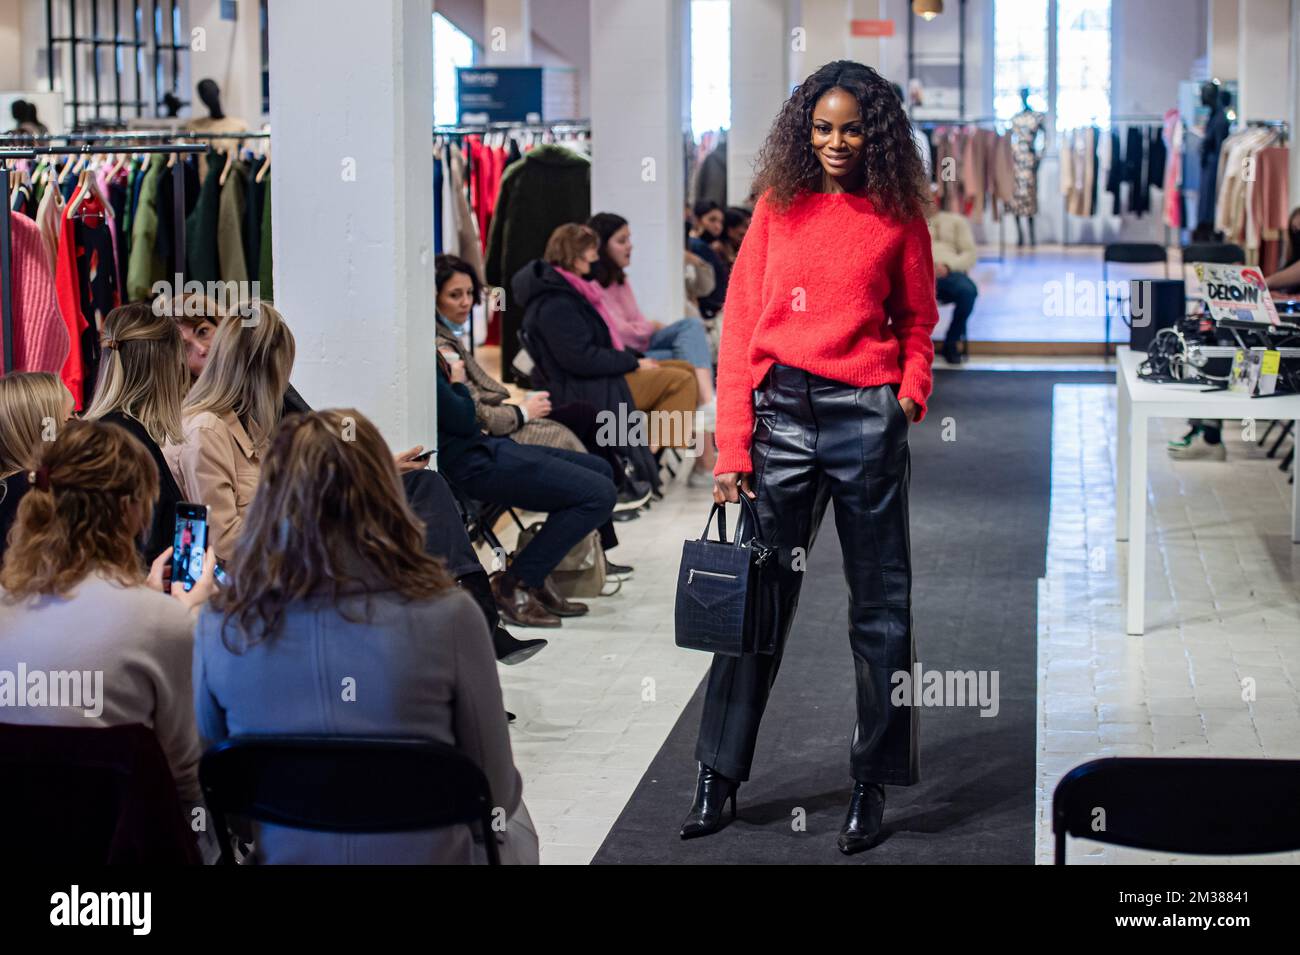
(895, 177)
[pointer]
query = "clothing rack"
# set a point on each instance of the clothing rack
(930, 124)
(92, 144)
(1131, 120)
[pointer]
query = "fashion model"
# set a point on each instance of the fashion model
(824, 365)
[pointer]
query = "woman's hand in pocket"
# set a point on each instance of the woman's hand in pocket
(910, 408)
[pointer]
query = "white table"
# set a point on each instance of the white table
(1139, 402)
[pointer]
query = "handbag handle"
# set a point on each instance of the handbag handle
(747, 510)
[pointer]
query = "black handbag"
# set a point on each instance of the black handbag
(727, 591)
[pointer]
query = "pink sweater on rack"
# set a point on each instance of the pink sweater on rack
(40, 337)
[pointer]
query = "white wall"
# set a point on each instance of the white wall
(1145, 74)
(231, 56)
(11, 47)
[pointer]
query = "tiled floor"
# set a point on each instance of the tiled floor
(595, 706)
(1223, 592)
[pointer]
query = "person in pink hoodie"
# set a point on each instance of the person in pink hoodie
(686, 339)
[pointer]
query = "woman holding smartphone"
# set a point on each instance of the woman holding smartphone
(824, 365)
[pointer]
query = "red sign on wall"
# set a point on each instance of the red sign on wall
(871, 27)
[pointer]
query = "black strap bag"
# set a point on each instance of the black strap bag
(727, 590)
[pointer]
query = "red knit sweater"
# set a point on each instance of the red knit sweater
(832, 287)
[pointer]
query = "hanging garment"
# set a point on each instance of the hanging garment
(167, 210)
(41, 338)
(1025, 127)
(1115, 173)
(451, 240)
(439, 240)
(68, 283)
(202, 225)
(711, 181)
(1272, 195)
(466, 226)
(145, 266)
(1156, 158)
(49, 219)
(1004, 172)
(253, 198)
(117, 198)
(264, 268)
(1173, 144)
(97, 287)
(230, 226)
(1216, 131)
(1135, 164)
(549, 187)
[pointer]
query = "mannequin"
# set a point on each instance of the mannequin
(1026, 128)
(1216, 131)
(216, 121)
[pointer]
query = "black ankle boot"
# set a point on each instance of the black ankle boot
(510, 650)
(862, 824)
(712, 790)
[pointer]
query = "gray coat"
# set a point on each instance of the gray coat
(417, 668)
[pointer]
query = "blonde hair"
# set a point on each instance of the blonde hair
(330, 517)
(82, 513)
(191, 309)
(32, 405)
(142, 371)
(247, 372)
(567, 242)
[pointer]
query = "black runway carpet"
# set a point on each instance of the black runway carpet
(979, 510)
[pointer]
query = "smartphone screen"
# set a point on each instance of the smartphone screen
(189, 544)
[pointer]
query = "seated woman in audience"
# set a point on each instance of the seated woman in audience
(330, 587)
(228, 418)
(198, 317)
(576, 345)
(685, 339)
(33, 406)
(142, 382)
(535, 420)
(576, 491)
(76, 596)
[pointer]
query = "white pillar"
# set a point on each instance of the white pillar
(507, 33)
(1263, 50)
(352, 199)
(1223, 19)
(228, 51)
(637, 139)
(759, 50)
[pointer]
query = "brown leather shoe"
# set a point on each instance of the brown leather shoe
(554, 601)
(518, 606)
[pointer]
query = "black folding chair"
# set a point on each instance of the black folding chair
(1200, 806)
(90, 796)
(1218, 253)
(345, 784)
(1126, 253)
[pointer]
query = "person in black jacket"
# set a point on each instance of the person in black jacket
(142, 382)
(575, 490)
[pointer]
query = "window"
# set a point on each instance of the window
(1082, 63)
(1020, 55)
(451, 48)
(710, 65)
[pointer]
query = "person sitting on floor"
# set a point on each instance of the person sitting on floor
(77, 597)
(330, 586)
(30, 402)
(953, 247)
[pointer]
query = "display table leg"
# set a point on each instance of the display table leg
(1137, 521)
(1123, 412)
(1295, 491)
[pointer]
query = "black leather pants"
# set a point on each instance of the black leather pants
(817, 440)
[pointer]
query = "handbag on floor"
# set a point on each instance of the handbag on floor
(582, 571)
(727, 590)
